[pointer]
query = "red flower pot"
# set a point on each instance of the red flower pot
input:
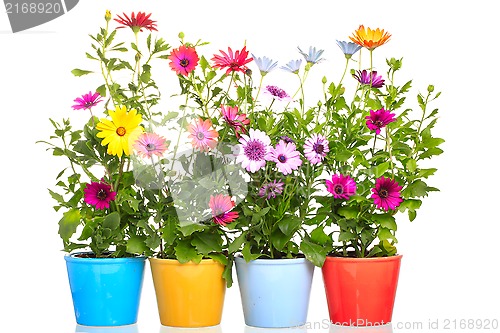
(361, 291)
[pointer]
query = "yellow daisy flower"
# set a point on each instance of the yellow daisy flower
(369, 38)
(120, 133)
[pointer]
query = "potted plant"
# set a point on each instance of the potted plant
(377, 166)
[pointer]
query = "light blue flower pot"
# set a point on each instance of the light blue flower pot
(105, 291)
(275, 292)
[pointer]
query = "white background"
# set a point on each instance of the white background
(450, 264)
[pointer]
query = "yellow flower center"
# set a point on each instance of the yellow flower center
(121, 131)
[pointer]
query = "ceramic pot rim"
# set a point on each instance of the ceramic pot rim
(162, 261)
(273, 262)
(70, 257)
(396, 257)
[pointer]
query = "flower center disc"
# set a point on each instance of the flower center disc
(318, 148)
(282, 158)
(383, 193)
(378, 123)
(254, 150)
(339, 189)
(184, 62)
(200, 136)
(150, 147)
(101, 195)
(121, 131)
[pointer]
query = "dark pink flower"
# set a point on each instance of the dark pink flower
(87, 101)
(379, 119)
(342, 187)
(183, 60)
(137, 23)
(221, 206)
(387, 193)
(98, 194)
(234, 62)
(235, 120)
(372, 78)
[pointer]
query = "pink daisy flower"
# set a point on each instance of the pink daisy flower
(342, 187)
(315, 148)
(202, 135)
(183, 60)
(87, 101)
(286, 156)
(221, 206)
(235, 120)
(234, 62)
(149, 144)
(379, 119)
(387, 193)
(137, 23)
(254, 150)
(98, 194)
(271, 189)
(277, 93)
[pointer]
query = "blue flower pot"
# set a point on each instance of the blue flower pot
(275, 292)
(105, 291)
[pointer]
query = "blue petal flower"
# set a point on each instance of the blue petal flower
(292, 66)
(265, 64)
(314, 56)
(348, 48)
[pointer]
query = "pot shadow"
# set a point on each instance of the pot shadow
(387, 328)
(209, 329)
(298, 329)
(107, 329)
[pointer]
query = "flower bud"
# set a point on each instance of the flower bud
(107, 16)
(430, 88)
(248, 72)
(137, 57)
(323, 80)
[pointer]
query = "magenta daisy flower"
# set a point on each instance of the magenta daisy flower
(364, 78)
(315, 148)
(379, 119)
(342, 187)
(87, 101)
(271, 189)
(235, 120)
(387, 193)
(277, 93)
(202, 135)
(137, 23)
(183, 60)
(234, 62)
(221, 206)
(254, 150)
(149, 144)
(98, 194)
(286, 156)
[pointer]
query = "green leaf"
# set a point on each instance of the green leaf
(385, 220)
(380, 169)
(236, 244)
(431, 152)
(289, 224)
(412, 215)
(137, 245)
(314, 253)
(69, 223)
(206, 243)
(247, 254)
(101, 90)
(319, 236)
(189, 228)
(80, 72)
(346, 236)
(228, 273)
(279, 239)
(185, 252)
(348, 212)
(111, 221)
(384, 234)
(411, 165)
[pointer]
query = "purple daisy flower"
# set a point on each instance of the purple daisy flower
(315, 148)
(254, 150)
(277, 93)
(379, 119)
(87, 101)
(98, 194)
(271, 189)
(342, 187)
(387, 193)
(286, 156)
(287, 139)
(375, 80)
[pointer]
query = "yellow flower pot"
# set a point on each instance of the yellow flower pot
(188, 295)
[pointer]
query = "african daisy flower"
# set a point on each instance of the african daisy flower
(120, 133)
(277, 93)
(370, 39)
(202, 135)
(379, 119)
(286, 156)
(235, 120)
(342, 187)
(253, 150)
(221, 206)
(315, 148)
(149, 144)
(271, 189)
(313, 56)
(386, 194)
(234, 62)
(348, 48)
(87, 101)
(292, 66)
(264, 64)
(98, 194)
(372, 79)
(183, 60)
(137, 23)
